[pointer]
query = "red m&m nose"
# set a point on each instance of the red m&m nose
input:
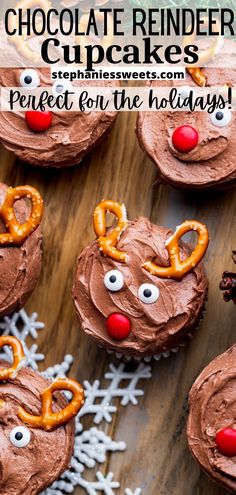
(226, 442)
(118, 326)
(185, 138)
(38, 121)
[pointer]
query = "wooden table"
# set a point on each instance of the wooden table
(157, 457)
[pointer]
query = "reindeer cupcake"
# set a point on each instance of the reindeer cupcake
(50, 138)
(194, 150)
(36, 425)
(211, 426)
(138, 289)
(20, 245)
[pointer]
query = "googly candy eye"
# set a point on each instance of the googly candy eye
(20, 436)
(60, 86)
(221, 118)
(184, 92)
(29, 78)
(148, 293)
(114, 280)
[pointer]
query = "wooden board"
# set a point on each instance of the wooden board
(157, 458)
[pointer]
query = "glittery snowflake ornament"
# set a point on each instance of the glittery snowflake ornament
(91, 445)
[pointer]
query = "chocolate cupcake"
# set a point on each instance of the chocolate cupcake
(36, 443)
(50, 139)
(20, 245)
(139, 290)
(193, 149)
(211, 424)
(228, 283)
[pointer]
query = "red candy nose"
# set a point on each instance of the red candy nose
(185, 138)
(38, 121)
(118, 326)
(226, 442)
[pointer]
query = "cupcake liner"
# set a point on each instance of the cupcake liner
(146, 359)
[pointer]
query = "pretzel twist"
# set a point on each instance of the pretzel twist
(21, 41)
(197, 75)
(206, 55)
(18, 357)
(50, 420)
(178, 268)
(17, 232)
(108, 242)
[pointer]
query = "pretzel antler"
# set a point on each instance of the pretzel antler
(108, 242)
(17, 232)
(21, 41)
(178, 268)
(197, 75)
(18, 357)
(206, 55)
(50, 420)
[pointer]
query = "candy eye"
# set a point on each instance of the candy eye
(148, 293)
(184, 92)
(59, 87)
(20, 436)
(221, 118)
(29, 78)
(114, 280)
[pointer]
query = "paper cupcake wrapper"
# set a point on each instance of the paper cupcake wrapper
(147, 359)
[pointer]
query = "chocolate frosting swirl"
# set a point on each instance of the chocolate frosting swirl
(29, 470)
(19, 265)
(71, 136)
(211, 164)
(212, 402)
(155, 327)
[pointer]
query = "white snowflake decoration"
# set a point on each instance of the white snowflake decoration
(128, 394)
(92, 445)
(21, 325)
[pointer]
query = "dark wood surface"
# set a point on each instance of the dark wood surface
(157, 458)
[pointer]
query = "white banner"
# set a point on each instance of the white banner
(100, 98)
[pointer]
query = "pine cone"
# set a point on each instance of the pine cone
(228, 284)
